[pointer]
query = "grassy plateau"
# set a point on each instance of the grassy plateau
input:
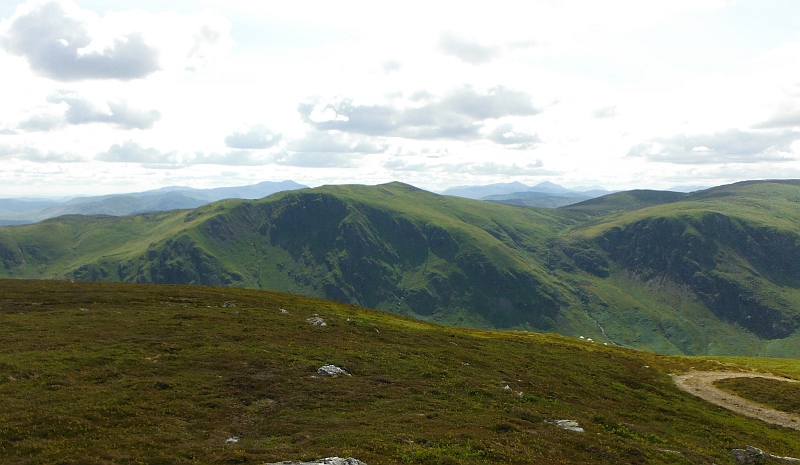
(101, 373)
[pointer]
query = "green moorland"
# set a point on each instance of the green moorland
(770, 392)
(716, 272)
(140, 373)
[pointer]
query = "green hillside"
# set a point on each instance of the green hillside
(713, 272)
(125, 373)
(731, 251)
(392, 247)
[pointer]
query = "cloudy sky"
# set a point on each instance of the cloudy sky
(106, 96)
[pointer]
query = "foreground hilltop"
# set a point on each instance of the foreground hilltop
(126, 373)
(711, 272)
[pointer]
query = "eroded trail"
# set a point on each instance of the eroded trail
(700, 384)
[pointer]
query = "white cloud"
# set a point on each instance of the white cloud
(132, 152)
(315, 159)
(731, 146)
(120, 114)
(323, 115)
(786, 119)
(256, 137)
(332, 142)
(53, 44)
(505, 134)
(36, 155)
(468, 51)
(534, 168)
(392, 66)
(605, 112)
(45, 122)
(620, 93)
(457, 115)
(232, 158)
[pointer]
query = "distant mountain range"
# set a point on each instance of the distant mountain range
(26, 211)
(19, 211)
(545, 194)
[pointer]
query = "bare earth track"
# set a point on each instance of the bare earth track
(700, 384)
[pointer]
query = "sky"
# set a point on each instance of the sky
(112, 96)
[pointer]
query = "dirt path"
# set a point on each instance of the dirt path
(699, 384)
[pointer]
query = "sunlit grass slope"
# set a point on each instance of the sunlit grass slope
(127, 373)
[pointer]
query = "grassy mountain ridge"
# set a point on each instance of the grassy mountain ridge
(400, 249)
(711, 272)
(131, 373)
(735, 247)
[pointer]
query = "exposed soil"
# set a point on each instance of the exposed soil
(700, 384)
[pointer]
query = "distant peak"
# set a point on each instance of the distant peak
(399, 185)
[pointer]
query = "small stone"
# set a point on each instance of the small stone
(569, 425)
(317, 321)
(232, 440)
(284, 312)
(332, 370)
(229, 304)
(507, 388)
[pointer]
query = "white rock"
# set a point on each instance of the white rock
(317, 321)
(284, 311)
(325, 461)
(332, 370)
(232, 440)
(569, 425)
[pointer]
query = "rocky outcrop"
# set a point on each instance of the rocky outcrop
(325, 461)
(332, 371)
(752, 455)
(569, 425)
(317, 321)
